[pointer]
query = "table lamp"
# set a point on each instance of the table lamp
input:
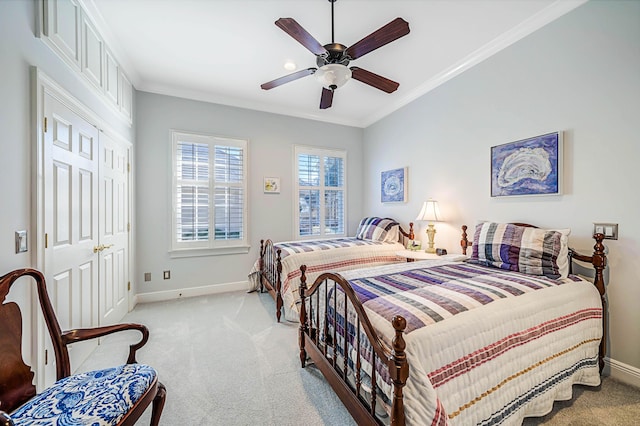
(430, 213)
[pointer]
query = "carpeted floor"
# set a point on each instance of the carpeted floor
(225, 361)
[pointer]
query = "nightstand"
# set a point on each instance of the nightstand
(411, 255)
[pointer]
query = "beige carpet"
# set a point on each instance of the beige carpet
(225, 361)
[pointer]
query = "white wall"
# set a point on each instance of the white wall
(271, 138)
(580, 74)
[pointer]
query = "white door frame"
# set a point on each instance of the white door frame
(43, 85)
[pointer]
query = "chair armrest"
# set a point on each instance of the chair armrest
(80, 334)
(5, 420)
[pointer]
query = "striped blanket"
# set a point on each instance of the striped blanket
(293, 247)
(339, 254)
(484, 345)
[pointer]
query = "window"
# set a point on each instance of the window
(321, 192)
(209, 193)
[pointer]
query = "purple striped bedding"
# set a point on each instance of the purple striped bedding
(336, 254)
(293, 247)
(485, 346)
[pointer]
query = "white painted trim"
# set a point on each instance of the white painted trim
(622, 372)
(77, 67)
(161, 296)
(91, 10)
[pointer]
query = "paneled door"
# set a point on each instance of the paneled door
(113, 230)
(70, 170)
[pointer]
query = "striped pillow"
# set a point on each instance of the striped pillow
(378, 229)
(531, 251)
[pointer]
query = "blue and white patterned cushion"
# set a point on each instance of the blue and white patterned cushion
(95, 398)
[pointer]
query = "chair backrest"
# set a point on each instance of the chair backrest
(16, 377)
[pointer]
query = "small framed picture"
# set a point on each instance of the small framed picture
(414, 245)
(272, 185)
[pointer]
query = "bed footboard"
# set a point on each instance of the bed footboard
(271, 273)
(336, 334)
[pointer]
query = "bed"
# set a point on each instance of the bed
(484, 341)
(277, 270)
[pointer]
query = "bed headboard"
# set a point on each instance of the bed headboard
(408, 235)
(598, 261)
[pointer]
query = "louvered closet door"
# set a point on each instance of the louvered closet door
(70, 171)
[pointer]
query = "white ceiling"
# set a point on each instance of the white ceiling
(222, 50)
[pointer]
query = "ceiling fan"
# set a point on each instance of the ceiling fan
(332, 59)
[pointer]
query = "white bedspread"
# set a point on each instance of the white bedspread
(334, 260)
(499, 362)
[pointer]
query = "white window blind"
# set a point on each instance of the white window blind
(321, 188)
(210, 186)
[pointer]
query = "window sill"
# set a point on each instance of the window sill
(200, 252)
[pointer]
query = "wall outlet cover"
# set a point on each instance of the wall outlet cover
(21, 241)
(610, 230)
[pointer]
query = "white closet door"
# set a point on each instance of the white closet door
(70, 167)
(113, 230)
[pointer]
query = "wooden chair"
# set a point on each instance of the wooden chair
(114, 396)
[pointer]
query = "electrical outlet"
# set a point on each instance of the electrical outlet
(610, 230)
(167, 275)
(147, 276)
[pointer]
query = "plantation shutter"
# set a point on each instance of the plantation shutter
(210, 193)
(321, 189)
(192, 200)
(229, 193)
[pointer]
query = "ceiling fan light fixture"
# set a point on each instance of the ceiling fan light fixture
(333, 76)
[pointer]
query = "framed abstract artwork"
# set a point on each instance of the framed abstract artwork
(393, 186)
(527, 167)
(272, 185)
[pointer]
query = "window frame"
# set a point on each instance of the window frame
(321, 152)
(211, 246)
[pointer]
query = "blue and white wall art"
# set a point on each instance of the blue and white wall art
(393, 186)
(527, 167)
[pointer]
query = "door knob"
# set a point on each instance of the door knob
(97, 249)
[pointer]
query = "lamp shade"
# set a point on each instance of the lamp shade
(333, 76)
(430, 211)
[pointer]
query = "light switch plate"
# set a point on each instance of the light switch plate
(21, 241)
(610, 230)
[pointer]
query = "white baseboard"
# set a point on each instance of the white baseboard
(161, 296)
(622, 372)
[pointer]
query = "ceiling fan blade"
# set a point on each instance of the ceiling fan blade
(390, 32)
(326, 99)
(374, 80)
(287, 78)
(295, 30)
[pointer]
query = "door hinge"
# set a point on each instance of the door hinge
(128, 167)
(128, 285)
(46, 240)
(46, 357)
(45, 125)
(129, 227)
